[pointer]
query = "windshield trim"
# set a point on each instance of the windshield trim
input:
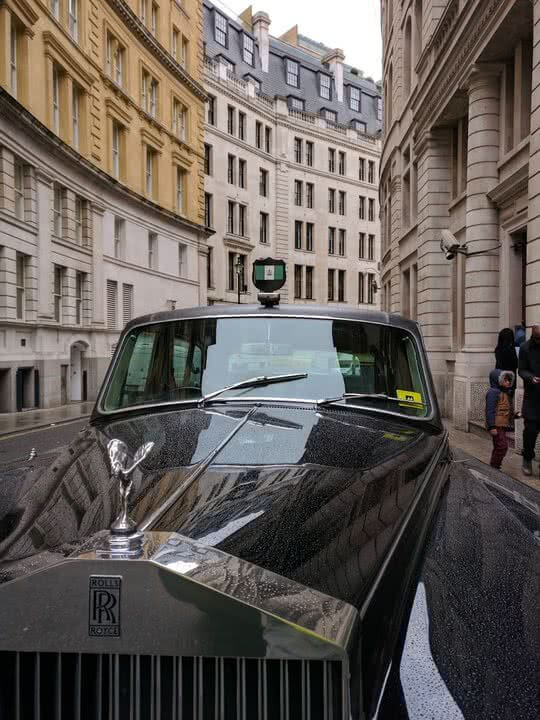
(420, 348)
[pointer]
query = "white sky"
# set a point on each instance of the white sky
(352, 25)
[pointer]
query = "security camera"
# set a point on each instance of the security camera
(449, 245)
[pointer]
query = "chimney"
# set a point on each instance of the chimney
(334, 59)
(261, 25)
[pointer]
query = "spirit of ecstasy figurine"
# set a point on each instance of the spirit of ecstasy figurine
(118, 455)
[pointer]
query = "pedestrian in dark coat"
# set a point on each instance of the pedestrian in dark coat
(499, 412)
(505, 352)
(529, 371)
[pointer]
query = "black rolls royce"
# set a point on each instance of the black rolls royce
(263, 521)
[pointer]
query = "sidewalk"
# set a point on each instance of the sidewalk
(480, 448)
(12, 423)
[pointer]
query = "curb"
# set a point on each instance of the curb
(40, 426)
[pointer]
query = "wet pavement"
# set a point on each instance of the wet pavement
(32, 419)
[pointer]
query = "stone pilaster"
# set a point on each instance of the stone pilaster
(98, 282)
(68, 297)
(8, 294)
(44, 189)
(7, 180)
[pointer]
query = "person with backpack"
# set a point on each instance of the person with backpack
(499, 412)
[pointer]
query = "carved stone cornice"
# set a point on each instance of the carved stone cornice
(138, 28)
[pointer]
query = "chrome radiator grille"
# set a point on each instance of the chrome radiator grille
(70, 686)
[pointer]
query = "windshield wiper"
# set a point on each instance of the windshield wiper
(251, 383)
(370, 396)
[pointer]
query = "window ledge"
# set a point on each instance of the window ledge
(14, 220)
(68, 243)
(457, 200)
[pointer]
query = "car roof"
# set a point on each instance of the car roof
(285, 310)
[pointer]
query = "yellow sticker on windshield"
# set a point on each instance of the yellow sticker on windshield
(413, 399)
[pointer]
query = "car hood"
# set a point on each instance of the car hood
(306, 494)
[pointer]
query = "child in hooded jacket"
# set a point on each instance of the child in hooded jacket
(499, 412)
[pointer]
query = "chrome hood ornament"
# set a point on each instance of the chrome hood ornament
(121, 472)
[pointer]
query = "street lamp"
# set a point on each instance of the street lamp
(239, 265)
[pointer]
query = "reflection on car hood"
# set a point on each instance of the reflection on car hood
(310, 495)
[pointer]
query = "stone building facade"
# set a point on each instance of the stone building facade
(290, 174)
(101, 184)
(461, 153)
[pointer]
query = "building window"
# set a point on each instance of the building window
(174, 43)
(79, 204)
(370, 289)
(58, 292)
(309, 153)
(210, 268)
(73, 19)
(263, 228)
(325, 86)
(341, 202)
(331, 200)
(242, 126)
(182, 253)
(361, 245)
(230, 119)
(361, 169)
(19, 189)
(249, 47)
(341, 242)
(13, 57)
(208, 210)
(330, 116)
(58, 196)
(418, 21)
(293, 77)
(119, 233)
(152, 250)
(309, 282)
(115, 60)
(407, 64)
(150, 162)
(263, 182)
(127, 302)
(242, 173)
(79, 287)
(142, 11)
(20, 284)
(371, 210)
(341, 163)
(331, 241)
(309, 195)
(184, 52)
(371, 247)
(231, 165)
(154, 19)
(207, 159)
(361, 297)
(231, 217)
(460, 133)
(116, 137)
(359, 126)
(56, 99)
(298, 150)
(180, 190)
(331, 160)
(268, 139)
(354, 99)
(341, 285)
(371, 172)
(220, 29)
(258, 134)
(309, 236)
(298, 193)
(331, 274)
(76, 99)
(112, 304)
(297, 235)
(55, 8)
(242, 220)
(361, 207)
(297, 281)
(229, 66)
(296, 104)
(179, 120)
(211, 110)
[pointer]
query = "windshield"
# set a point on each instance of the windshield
(188, 359)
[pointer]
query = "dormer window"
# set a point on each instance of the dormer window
(249, 49)
(354, 99)
(359, 125)
(296, 104)
(325, 86)
(293, 73)
(220, 29)
(330, 115)
(228, 64)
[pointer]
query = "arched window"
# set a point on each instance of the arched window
(407, 65)
(418, 20)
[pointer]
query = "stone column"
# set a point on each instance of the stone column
(44, 264)
(533, 229)
(98, 282)
(434, 280)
